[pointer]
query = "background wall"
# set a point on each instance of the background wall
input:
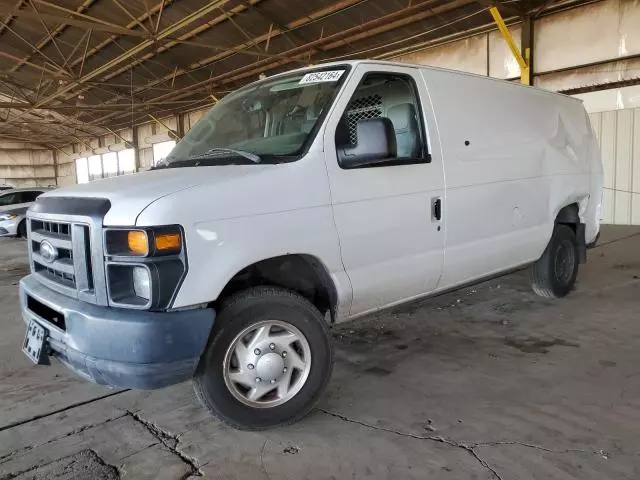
(618, 132)
(66, 171)
(591, 46)
(23, 166)
(483, 54)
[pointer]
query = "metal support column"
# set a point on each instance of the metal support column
(136, 149)
(180, 124)
(55, 165)
(526, 48)
(525, 71)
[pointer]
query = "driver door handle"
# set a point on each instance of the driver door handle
(436, 208)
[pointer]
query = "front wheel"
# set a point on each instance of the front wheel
(268, 360)
(554, 274)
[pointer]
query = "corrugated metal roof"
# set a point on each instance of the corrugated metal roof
(72, 68)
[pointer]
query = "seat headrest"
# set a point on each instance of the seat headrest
(403, 116)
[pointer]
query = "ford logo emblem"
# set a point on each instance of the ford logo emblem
(48, 252)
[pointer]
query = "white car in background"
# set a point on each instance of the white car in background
(13, 210)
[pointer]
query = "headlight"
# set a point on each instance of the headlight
(144, 265)
(144, 242)
(167, 242)
(138, 243)
(8, 216)
(141, 282)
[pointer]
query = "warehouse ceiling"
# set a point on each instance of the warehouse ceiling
(76, 68)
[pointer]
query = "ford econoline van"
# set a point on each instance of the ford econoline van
(298, 201)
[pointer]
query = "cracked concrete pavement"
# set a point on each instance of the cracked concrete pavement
(490, 382)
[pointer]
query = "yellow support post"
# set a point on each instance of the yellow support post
(525, 72)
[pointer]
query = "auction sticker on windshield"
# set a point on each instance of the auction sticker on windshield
(316, 77)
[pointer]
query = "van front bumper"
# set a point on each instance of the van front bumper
(119, 347)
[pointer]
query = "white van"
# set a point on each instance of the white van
(304, 199)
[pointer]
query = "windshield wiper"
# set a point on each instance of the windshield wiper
(221, 151)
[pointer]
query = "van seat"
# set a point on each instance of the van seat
(405, 124)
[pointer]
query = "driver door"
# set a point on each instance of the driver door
(388, 215)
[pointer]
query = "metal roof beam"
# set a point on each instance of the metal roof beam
(46, 57)
(56, 31)
(94, 50)
(508, 8)
(274, 32)
(75, 13)
(10, 17)
(172, 41)
(198, 14)
(393, 20)
(157, 26)
(33, 65)
(396, 19)
(131, 16)
(86, 24)
(104, 106)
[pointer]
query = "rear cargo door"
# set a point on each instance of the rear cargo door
(499, 167)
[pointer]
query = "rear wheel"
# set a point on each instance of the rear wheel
(554, 274)
(22, 229)
(268, 360)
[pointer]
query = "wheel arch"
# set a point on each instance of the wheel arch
(570, 215)
(303, 273)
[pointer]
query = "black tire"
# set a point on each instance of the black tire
(242, 310)
(554, 274)
(21, 232)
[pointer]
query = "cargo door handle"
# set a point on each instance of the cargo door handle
(436, 208)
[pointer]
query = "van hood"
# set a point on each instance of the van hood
(130, 194)
(242, 192)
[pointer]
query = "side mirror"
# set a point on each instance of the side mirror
(376, 144)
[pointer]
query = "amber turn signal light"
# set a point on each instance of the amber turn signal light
(166, 242)
(137, 242)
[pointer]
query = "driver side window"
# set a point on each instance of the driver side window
(382, 103)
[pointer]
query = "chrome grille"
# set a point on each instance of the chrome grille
(70, 267)
(55, 228)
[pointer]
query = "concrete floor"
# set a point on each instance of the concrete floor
(488, 382)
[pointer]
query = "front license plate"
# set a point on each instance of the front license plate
(34, 342)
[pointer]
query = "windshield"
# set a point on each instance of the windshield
(270, 119)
